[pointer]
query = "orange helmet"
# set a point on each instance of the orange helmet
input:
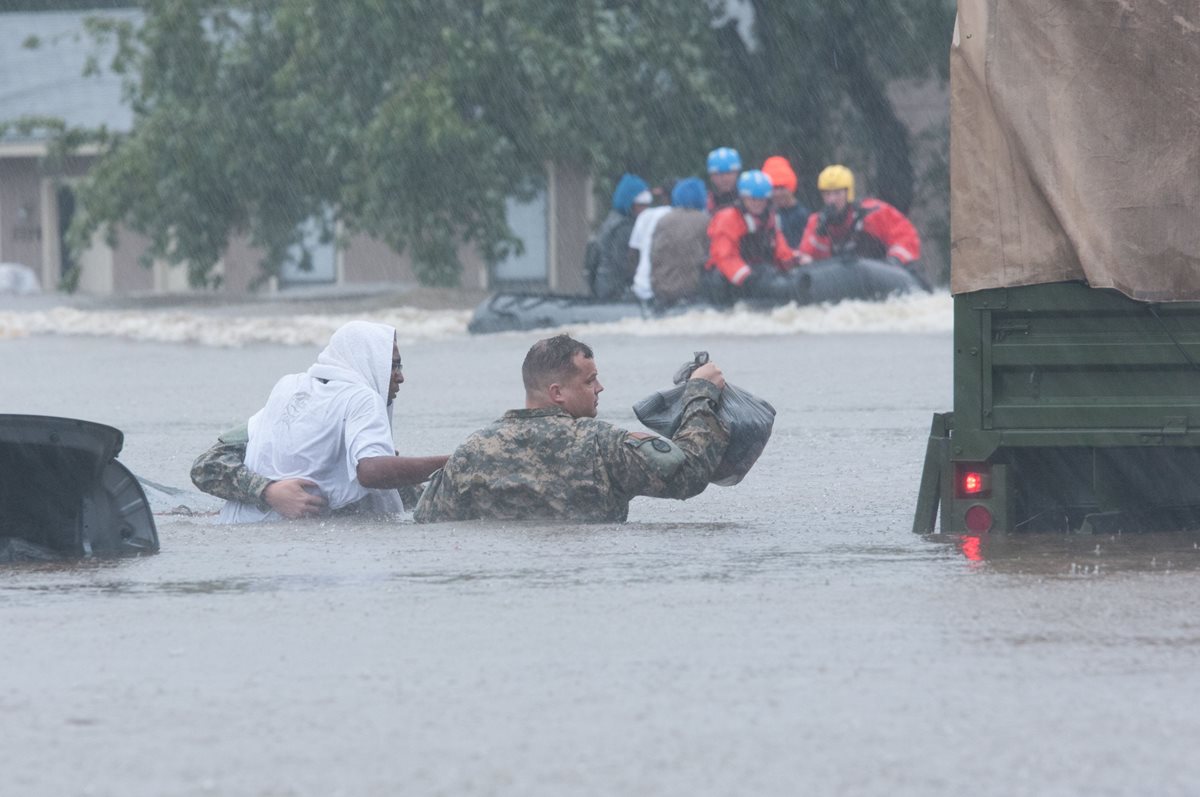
(780, 171)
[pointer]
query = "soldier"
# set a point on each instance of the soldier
(323, 424)
(554, 460)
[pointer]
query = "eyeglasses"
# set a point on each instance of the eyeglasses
(397, 366)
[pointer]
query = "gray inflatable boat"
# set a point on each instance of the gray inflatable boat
(823, 282)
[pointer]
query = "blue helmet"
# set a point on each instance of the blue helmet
(724, 159)
(689, 193)
(754, 184)
(629, 188)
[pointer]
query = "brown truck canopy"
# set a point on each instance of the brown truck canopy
(1075, 145)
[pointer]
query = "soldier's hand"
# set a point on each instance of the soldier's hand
(712, 373)
(289, 498)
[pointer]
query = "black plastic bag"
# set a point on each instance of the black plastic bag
(749, 418)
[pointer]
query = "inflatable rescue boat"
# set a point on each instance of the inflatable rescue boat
(823, 282)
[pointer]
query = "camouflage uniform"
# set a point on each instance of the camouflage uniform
(544, 463)
(222, 471)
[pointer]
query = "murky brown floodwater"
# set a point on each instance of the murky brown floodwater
(786, 636)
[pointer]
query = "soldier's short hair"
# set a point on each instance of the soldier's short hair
(552, 360)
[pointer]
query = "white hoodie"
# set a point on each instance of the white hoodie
(318, 425)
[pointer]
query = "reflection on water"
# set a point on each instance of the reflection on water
(465, 559)
(63, 565)
(204, 587)
(1076, 554)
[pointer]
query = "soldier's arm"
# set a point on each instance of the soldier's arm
(681, 467)
(222, 471)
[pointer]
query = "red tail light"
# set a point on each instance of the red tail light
(973, 480)
(978, 519)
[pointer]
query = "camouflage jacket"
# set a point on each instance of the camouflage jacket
(222, 471)
(544, 463)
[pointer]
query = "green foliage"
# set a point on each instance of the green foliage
(62, 5)
(820, 70)
(70, 280)
(410, 121)
(413, 121)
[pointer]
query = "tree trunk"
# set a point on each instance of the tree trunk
(894, 170)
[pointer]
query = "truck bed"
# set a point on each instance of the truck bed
(1065, 364)
(1074, 409)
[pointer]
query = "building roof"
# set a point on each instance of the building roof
(48, 79)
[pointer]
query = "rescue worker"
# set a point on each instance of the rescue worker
(724, 165)
(871, 228)
(334, 451)
(748, 256)
(609, 260)
(790, 215)
(554, 460)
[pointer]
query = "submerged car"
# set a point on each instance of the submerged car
(64, 494)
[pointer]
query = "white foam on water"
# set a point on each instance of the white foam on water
(918, 313)
(177, 326)
(903, 314)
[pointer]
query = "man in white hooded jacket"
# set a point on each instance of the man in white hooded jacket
(329, 429)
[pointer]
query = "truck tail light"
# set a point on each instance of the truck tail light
(978, 519)
(973, 480)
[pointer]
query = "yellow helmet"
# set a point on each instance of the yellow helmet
(834, 177)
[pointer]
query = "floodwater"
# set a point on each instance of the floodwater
(789, 635)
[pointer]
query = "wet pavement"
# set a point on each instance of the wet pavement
(789, 635)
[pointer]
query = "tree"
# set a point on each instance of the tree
(62, 5)
(408, 121)
(413, 121)
(818, 72)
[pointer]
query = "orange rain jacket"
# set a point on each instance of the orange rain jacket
(738, 240)
(875, 218)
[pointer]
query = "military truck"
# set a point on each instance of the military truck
(1075, 269)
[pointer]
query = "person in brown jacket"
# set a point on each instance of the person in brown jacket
(679, 247)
